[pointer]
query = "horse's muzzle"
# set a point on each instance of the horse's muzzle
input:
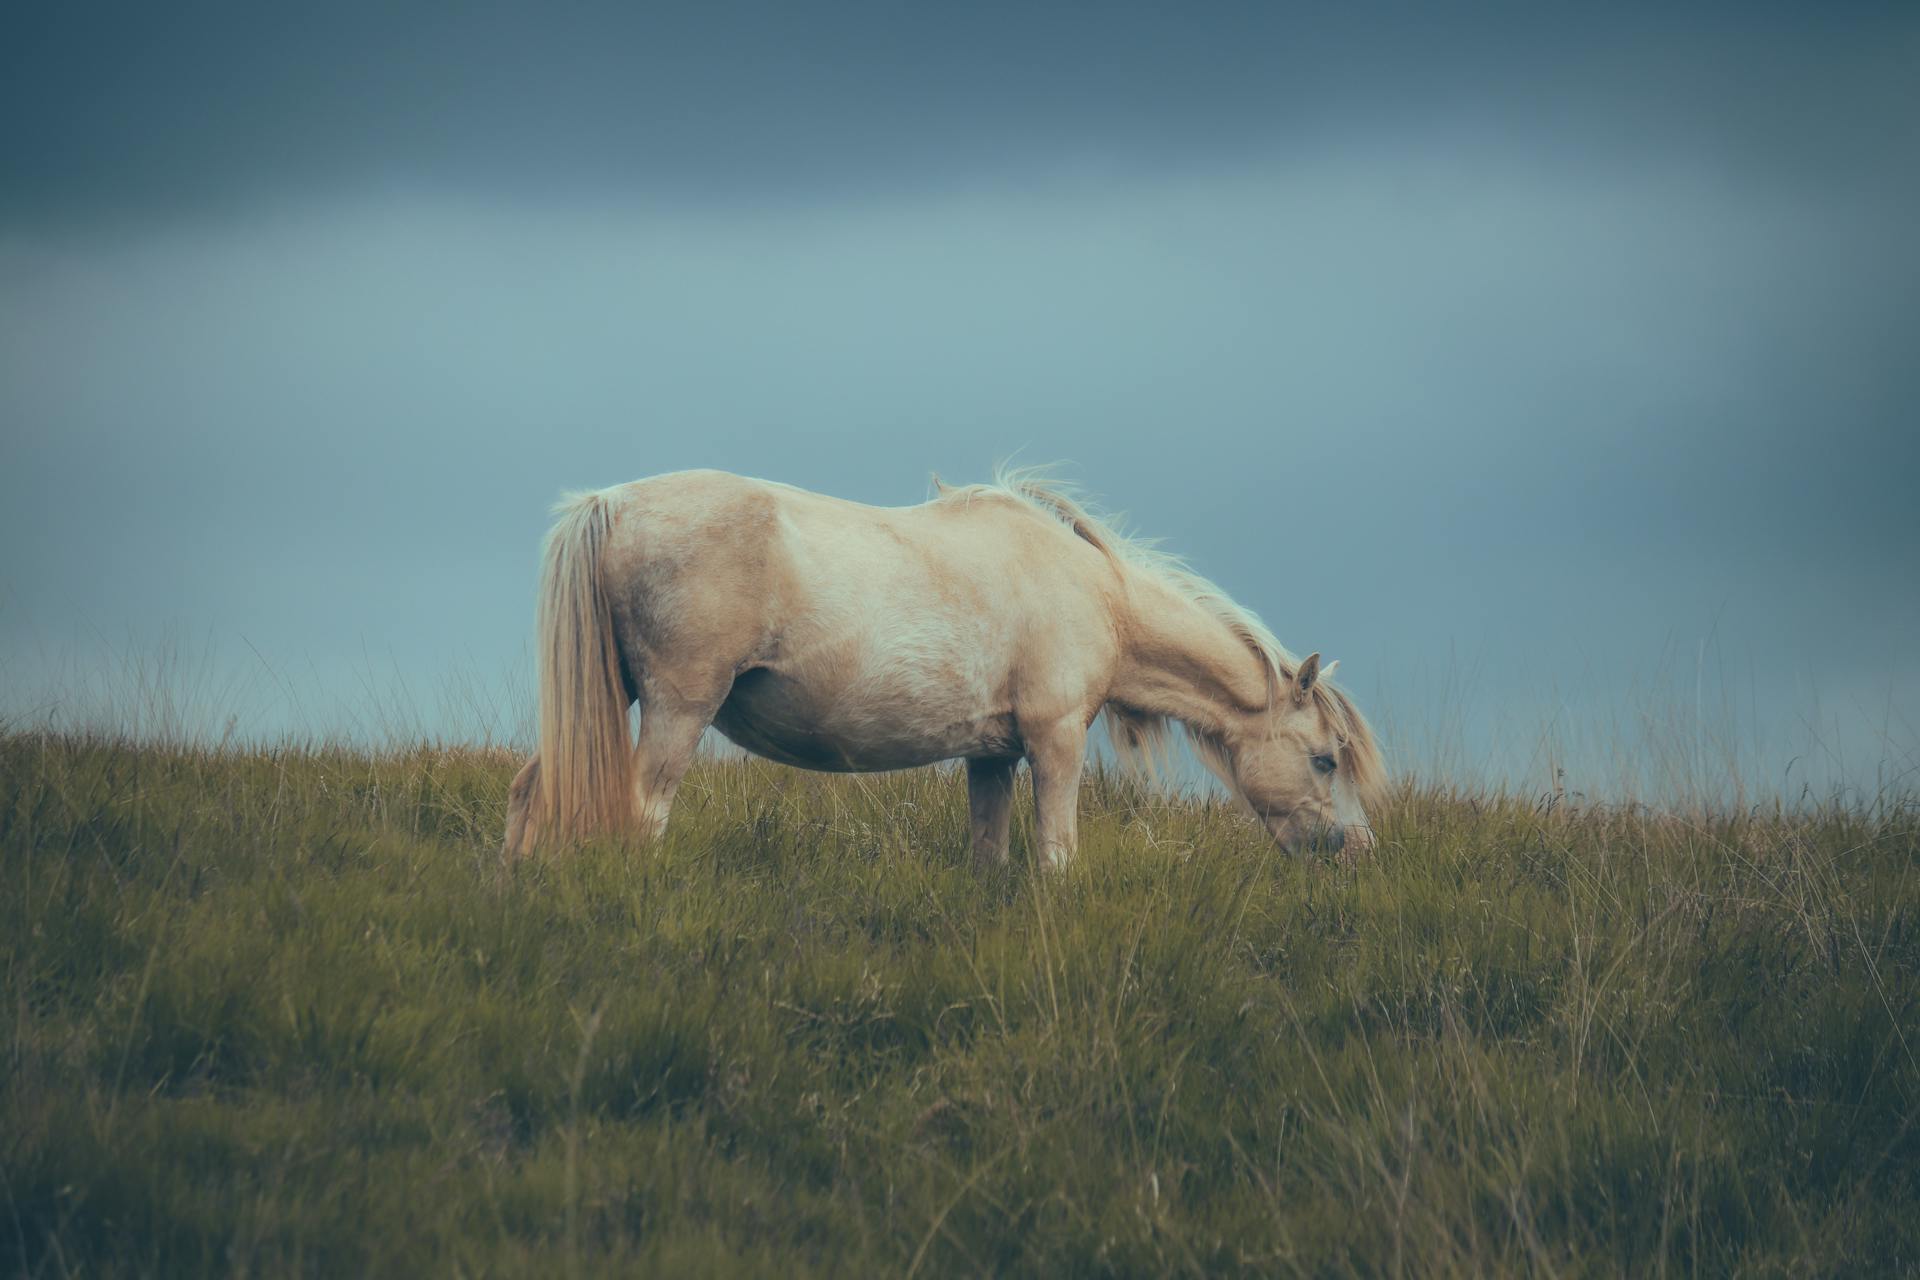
(1349, 840)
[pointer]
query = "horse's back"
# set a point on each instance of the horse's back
(859, 636)
(966, 548)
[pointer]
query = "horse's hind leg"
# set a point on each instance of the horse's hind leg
(669, 734)
(668, 738)
(519, 841)
(990, 809)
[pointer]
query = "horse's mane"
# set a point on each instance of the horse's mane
(1140, 739)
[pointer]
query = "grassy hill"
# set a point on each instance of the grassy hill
(281, 1012)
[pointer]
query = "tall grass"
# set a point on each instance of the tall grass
(278, 1009)
(1685, 728)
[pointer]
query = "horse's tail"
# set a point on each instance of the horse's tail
(584, 783)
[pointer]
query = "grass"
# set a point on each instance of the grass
(279, 1011)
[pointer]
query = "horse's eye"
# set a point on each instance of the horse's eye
(1325, 764)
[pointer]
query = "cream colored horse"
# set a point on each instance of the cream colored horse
(992, 624)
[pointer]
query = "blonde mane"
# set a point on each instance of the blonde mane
(1141, 740)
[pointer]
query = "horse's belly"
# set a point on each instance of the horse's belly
(860, 731)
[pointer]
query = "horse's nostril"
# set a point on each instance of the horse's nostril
(1336, 837)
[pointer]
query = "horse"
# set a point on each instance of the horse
(992, 623)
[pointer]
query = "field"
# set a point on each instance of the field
(279, 1011)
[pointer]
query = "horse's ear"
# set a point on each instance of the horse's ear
(1303, 678)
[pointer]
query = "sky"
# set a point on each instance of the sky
(1555, 371)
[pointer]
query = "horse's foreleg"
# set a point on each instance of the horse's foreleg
(668, 738)
(1057, 755)
(990, 809)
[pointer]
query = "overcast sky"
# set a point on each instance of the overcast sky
(1534, 365)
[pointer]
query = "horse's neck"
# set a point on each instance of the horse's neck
(1179, 660)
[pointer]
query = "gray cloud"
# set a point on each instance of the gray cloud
(116, 113)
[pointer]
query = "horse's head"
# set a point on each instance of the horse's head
(1307, 763)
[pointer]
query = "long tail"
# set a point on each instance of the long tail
(585, 779)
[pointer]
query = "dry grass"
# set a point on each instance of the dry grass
(278, 1010)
